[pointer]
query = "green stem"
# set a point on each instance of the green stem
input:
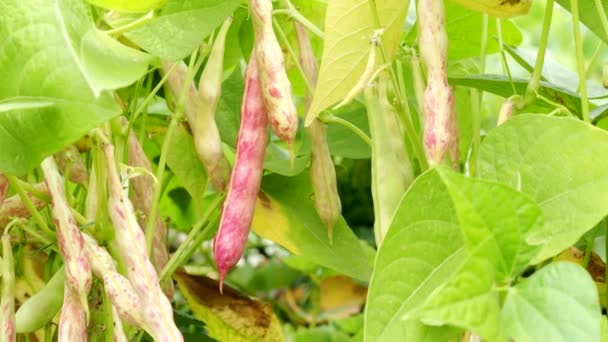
(600, 10)
(580, 59)
(186, 248)
(505, 63)
(532, 88)
(296, 15)
(477, 101)
(175, 119)
(150, 96)
(29, 205)
(402, 105)
(115, 32)
(338, 120)
(589, 247)
(32, 190)
(294, 56)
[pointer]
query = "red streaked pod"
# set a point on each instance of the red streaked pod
(7, 303)
(78, 275)
(440, 125)
(142, 195)
(276, 87)
(231, 238)
(156, 308)
(73, 320)
(118, 288)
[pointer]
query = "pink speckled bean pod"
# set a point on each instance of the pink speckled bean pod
(8, 332)
(73, 320)
(322, 170)
(142, 195)
(440, 125)
(119, 331)
(78, 275)
(118, 288)
(276, 87)
(237, 214)
(156, 308)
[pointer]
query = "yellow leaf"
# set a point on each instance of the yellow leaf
(498, 8)
(229, 316)
(349, 27)
(341, 297)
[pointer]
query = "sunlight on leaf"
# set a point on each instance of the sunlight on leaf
(498, 8)
(128, 5)
(349, 27)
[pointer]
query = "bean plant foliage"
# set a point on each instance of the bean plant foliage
(325, 170)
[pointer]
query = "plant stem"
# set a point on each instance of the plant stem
(294, 56)
(175, 119)
(532, 88)
(150, 96)
(580, 59)
(505, 63)
(477, 101)
(338, 120)
(32, 190)
(402, 105)
(589, 248)
(600, 10)
(115, 32)
(296, 15)
(186, 248)
(29, 205)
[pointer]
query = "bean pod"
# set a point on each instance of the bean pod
(40, 309)
(7, 302)
(156, 308)
(440, 123)
(237, 214)
(71, 243)
(275, 85)
(322, 171)
(73, 320)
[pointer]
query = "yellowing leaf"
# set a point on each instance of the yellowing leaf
(229, 316)
(341, 296)
(498, 8)
(349, 27)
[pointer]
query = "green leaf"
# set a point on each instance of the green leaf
(562, 163)
(56, 57)
(557, 303)
(128, 5)
(285, 214)
(495, 221)
(180, 27)
(350, 25)
(467, 300)
(422, 248)
(183, 160)
(342, 141)
(501, 85)
(589, 15)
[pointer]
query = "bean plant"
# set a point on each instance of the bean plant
(291, 170)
